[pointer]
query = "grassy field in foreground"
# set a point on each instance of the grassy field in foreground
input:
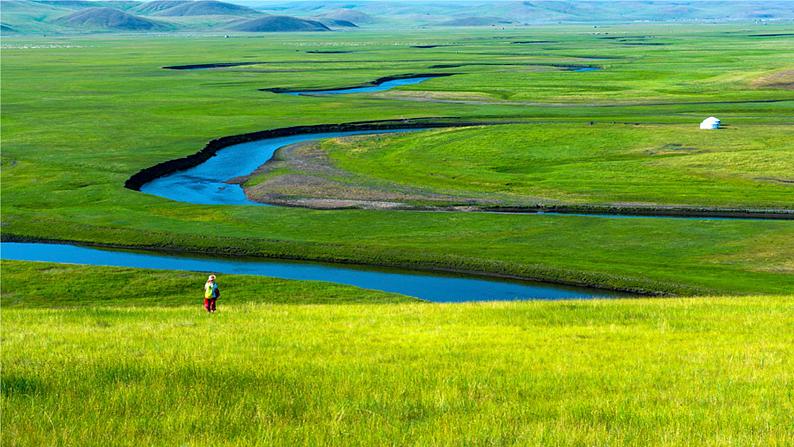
(110, 109)
(700, 371)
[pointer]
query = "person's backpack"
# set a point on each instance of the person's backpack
(216, 292)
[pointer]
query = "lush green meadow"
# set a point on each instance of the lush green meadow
(47, 285)
(82, 114)
(573, 164)
(112, 356)
(88, 361)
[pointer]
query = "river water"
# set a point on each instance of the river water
(383, 86)
(206, 183)
(436, 287)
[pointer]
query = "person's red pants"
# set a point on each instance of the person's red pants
(209, 304)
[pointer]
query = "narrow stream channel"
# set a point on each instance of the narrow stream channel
(435, 287)
(379, 87)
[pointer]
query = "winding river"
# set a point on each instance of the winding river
(207, 183)
(436, 287)
(376, 87)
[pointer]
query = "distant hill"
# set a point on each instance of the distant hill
(412, 14)
(277, 24)
(156, 6)
(338, 23)
(347, 15)
(30, 17)
(81, 4)
(41, 16)
(205, 8)
(109, 19)
(476, 21)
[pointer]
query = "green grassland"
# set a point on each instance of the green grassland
(86, 364)
(48, 285)
(609, 165)
(82, 114)
(101, 355)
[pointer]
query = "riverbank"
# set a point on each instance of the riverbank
(140, 178)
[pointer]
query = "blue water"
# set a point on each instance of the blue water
(584, 69)
(206, 183)
(430, 287)
(387, 85)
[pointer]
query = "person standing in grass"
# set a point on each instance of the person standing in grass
(211, 293)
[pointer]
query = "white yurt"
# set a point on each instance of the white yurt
(710, 123)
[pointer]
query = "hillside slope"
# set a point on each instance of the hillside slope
(331, 23)
(29, 17)
(81, 4)
(156, 6)
(205, 8)
(476, 21)
(348, 15)
(278, 24)
(110, 19)
(543, 11)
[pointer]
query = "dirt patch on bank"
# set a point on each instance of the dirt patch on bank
(779, 80)
(303, 175)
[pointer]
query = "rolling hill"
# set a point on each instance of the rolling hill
(331, 23)
(81, 4)
(205, 8)
(347, 15)
(156, 6)
(537, 12)
(278, 24)
(29, 17)
(476, 21)
(42, 16)
(103, 18)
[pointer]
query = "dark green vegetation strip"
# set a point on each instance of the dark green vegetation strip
(42, 284)
(207, 66)
(676, 372)
(67, 153)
